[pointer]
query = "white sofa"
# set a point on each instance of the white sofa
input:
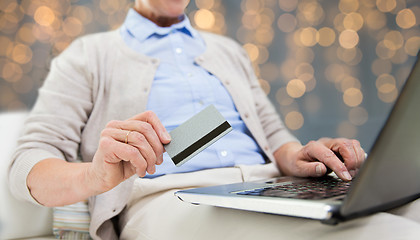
(18, 220)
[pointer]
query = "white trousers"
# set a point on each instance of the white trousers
(153, 212)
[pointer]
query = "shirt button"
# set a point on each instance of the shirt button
(224, 153)
(189, 74)
(178, 50)
(246, 115)
(201, 102)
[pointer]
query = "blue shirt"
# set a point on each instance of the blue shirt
(181, 89)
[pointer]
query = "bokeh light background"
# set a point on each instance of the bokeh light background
(331, 67)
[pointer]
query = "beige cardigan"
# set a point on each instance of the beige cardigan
(98, 78)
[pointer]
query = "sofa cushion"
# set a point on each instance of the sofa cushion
(17, 219)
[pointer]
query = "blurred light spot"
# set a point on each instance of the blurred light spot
(304, 68)
(347, 130)
(204, 19)
(267, 16)
(294, 120)
(385, 82)
(348, 6)
(41, 33)
(296, 88)
(252, 51)
(375, 20)
(325, 36)
(287, 22)
(288, 5)
(72, 27)
(251, 20)
(264, 35)
(406, 18)
(59, 46)
(412, 46)
(399, 57)
(387, 93)
(384, 52)
(263, 55)
(308, 36)
(44, 16)
(310, 12)
(386, 5)
(338, 22)
(393, 40)
(12, 72)
(82, 13)
(348, 38)
(8, 6)
(25, 35)
(251, 5)
(204, 4)
(352, 97)
(219, 24)
(358, 116)
(22, 54)
(353, 21)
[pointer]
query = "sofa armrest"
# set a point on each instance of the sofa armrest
(17, 219)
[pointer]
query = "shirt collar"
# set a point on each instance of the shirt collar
(142, 28)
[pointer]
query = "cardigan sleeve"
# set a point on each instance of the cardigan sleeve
(54, 125)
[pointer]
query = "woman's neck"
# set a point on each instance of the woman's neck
(161, 21)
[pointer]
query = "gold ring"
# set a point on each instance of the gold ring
(126, 137)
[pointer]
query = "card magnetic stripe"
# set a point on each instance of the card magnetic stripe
(201, 142)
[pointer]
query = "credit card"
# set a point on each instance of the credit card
(196, 134)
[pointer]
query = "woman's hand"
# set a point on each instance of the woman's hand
(129, 147)
(341, 155)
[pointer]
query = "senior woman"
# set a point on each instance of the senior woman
(103, 114)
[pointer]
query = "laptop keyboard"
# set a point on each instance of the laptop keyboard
(317, 188)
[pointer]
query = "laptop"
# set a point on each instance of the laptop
(389, 177)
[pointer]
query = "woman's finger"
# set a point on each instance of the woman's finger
(316, 151)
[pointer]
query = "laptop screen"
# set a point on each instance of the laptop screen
(391, 174)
